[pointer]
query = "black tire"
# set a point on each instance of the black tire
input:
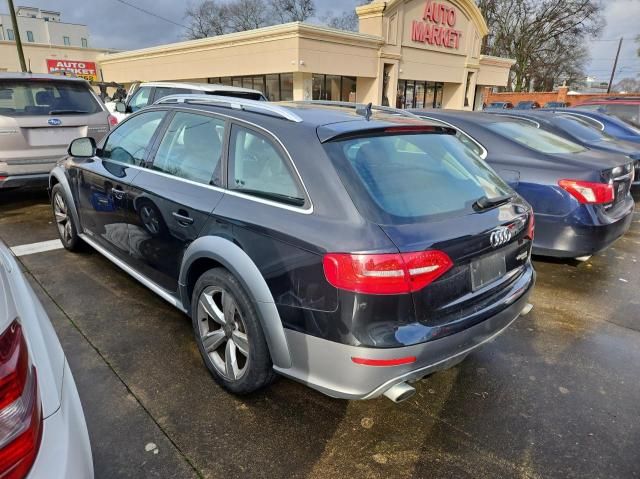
(256, 371)
(67, 228)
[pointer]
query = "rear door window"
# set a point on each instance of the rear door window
(41, 98)
(628, 113)
(130, 142)
(258, 168)
(398, 179)
(192, 148)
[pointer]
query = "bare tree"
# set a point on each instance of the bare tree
(346, 20)
(539, 34)
(207, 19)
(627, 85)
(248, 15)
(285, 11)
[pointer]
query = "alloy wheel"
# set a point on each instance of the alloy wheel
(223, 334)
(61, 213)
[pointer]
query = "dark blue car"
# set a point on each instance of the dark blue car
(581, 131)
(581, 197)
(608, 124)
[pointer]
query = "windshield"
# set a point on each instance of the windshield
(38, 98)
(410, 178)
(532, 137)
(581, 129)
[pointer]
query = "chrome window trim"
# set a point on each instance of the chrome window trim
(306, 211)
(517, 117)
(586, 117)
(484, 154)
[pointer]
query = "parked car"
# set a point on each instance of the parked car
(582, 132)
(527, 105)
(145, 94)
(581, 197)
(499, 105)
(39, 116)
(42, 426)
(609, 124)
(322, 255)
(556, 104)
(625, 108)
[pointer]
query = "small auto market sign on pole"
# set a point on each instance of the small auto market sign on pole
(86, 70)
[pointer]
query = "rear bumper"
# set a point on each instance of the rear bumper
(555, 237)
(327, 365)
(18, 181)
(65, 452)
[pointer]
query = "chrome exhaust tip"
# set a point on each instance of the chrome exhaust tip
(582, 259)
(400, 392)
(527, 309)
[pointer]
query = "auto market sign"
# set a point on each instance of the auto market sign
(437, 26)
(86, 70)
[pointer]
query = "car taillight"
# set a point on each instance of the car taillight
(20, 409)
(531, 229)
(587, 192)
(113, 121)
(399, 273)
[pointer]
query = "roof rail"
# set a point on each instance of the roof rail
(361, 108)
(235, 103)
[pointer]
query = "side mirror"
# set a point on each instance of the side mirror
(121, 107)
(83, 147)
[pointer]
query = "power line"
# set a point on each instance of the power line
(153, 14)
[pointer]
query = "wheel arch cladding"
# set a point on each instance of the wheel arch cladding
(217, 251)
(57, 176)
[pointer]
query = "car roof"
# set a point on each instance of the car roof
(208, 87)
(469, 116)
(38, 76)
(336, 120)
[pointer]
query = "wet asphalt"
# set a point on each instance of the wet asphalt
(556, 396)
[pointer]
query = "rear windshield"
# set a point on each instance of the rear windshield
(534, 138)
(581, 129)
(29, 98)
(409, 178)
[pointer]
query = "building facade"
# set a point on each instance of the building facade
(408, 53)
(49, 45)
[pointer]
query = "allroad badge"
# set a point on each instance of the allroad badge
(54, 121)
(500, 236)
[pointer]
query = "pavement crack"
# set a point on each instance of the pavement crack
(113, 370)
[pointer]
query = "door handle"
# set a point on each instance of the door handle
(119, 194)
(182, 219)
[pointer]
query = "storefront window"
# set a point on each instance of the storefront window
(318, 87)
(258, 84)
(348, 89)
(333, 88)
(419, 94)
(237, 81)
(273, 87)
(286, 87)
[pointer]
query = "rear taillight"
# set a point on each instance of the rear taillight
(113, 121)
(399, 273)
(587, 192)
(20, 410)
(531, 228)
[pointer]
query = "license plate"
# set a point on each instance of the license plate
(487, 270)
(53, 136)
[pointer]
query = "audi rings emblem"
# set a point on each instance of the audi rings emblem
(500, 236)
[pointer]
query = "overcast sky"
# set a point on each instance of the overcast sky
(115, 25)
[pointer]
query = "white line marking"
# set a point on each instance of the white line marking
(33, 248)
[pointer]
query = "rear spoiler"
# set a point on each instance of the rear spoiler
(330, 133)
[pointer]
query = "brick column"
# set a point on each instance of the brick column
(562, 93)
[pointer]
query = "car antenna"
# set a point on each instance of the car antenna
(367, 111)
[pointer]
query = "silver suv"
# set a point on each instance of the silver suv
(39, 116)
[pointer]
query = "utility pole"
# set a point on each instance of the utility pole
(16, 34)
(615, 65)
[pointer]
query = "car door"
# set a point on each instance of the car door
(172, 199)
(103, 180)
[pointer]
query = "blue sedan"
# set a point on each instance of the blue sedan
(581, 197)
(608, 124)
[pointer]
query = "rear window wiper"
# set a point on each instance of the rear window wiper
(292, 200)
(68, 112)
(484, 203)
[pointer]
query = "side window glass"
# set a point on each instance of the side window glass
(257, 168)
(161, 92)
(129, 142)
(192, 148)
(140, 99)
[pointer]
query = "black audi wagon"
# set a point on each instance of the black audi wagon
(351, 249)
